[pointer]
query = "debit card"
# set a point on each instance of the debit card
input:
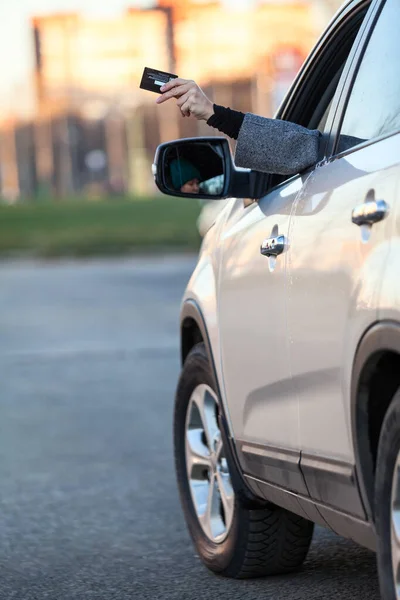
(152, 80)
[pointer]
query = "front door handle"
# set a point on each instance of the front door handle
(370, 212)
(273, 246)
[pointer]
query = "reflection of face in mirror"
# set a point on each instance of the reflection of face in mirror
(191, 187)
(185, 176)
(195, 169)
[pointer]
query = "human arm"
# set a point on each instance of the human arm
(266, 145)
(275, 146)
(191, 100)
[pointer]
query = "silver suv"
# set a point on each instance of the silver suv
(288, 405)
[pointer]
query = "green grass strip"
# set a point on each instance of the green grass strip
(81, 227)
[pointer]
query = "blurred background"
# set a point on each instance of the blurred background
(74, 124)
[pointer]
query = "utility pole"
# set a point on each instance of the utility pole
(9, 183)
(138, 163)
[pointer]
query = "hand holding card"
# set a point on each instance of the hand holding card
(191, 100)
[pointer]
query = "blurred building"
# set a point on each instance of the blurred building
(219, 45)
(266, 46)
(89, 69)
(90, 63)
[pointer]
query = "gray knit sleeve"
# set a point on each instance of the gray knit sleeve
(274, 146)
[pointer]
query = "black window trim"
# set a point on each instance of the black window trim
(291, 106)
(346, 93)
(348, 73)
(290, 103)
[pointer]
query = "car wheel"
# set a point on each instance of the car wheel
(231, 539)
(387, 503)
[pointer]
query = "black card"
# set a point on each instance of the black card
(152, 80)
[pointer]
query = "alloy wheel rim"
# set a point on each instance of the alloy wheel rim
(206, 465)
(395, 527)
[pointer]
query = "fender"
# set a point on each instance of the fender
(191, 310)
(381, 337)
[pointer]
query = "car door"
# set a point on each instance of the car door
(263, 408)
(339, 241)
(253, 289)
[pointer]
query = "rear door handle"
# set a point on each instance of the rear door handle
(273, 246)
(372, 211)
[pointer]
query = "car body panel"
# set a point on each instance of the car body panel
(254, 353)
(389, 300)
(252, 321)
(202, 290)
(335, 270)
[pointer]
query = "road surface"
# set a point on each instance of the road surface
(88, 502)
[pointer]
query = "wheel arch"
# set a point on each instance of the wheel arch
(194, 331)
(375, 380)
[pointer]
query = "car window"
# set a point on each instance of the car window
(322, 122)
(316, 89)
(373, 108)
(321, 111)
(311, 106)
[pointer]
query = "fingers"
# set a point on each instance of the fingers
(185, 103)
(174, 83)
(185, 108)
(176, 92)
(183, 99)
(174, 89)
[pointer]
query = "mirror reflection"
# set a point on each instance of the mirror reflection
(195, 168)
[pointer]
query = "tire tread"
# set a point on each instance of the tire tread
(277, 543)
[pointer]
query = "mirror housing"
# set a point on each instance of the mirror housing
(203, 168)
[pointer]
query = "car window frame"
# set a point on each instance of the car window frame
(348, 88)
(297, 95)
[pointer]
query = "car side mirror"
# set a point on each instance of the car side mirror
(201, 168)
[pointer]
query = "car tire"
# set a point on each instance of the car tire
(231, 538)
(387, 500)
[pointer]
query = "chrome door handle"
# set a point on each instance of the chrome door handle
(370, 212)
(273, 246)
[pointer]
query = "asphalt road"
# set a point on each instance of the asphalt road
(88, 503)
